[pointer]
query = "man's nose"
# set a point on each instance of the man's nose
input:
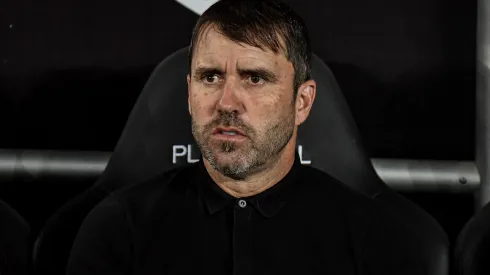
(230, 98)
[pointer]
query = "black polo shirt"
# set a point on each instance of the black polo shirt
(181, 222)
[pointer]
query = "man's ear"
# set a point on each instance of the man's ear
(189, 93)
(304, 101)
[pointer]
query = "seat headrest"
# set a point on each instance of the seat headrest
(157, 135)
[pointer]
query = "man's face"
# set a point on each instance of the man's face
(241, 103)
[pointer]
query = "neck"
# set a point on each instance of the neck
(274, 171)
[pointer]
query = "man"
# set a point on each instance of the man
(249, 207)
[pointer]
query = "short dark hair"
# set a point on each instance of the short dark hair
(260, 23)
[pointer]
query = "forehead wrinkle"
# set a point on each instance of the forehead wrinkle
(211, 36)
(209, 53)
(207, 60)
(279, 67)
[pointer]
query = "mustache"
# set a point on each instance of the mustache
(229, 119)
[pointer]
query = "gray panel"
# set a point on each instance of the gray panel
(428, 176)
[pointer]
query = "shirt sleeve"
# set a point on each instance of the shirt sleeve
(392, 247)
(103, 243)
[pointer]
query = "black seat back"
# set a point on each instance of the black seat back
(472, 250)
(15, 242)
(158, 137)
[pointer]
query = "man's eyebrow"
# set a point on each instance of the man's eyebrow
(205, 70)
(259, 71)
(263, 72)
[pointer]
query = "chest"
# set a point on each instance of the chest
(238, 240)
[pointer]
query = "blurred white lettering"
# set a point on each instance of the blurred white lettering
(186, 151)
(189, 155)
(181, 151)
(300, 153)
(176, 153)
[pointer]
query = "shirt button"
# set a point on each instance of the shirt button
(242, 203)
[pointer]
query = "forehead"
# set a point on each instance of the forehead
(213, 47)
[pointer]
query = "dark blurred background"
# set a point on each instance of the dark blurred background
(70, 72)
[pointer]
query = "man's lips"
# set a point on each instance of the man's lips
(229, 131)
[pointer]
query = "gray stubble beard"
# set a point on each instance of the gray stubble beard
(253, 160)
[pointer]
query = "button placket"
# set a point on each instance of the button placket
(242, 239)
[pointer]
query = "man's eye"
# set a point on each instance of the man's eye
(210, 79)
(255, 79)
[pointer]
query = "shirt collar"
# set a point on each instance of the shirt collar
(268, 203)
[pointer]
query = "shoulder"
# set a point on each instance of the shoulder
(163, 187)
(326, 194)
(371, 221)
(318, 184)
(160, 182)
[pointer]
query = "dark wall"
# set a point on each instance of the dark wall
(72, 69)
(70, 72)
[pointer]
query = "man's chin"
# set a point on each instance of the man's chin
(228, 158)
(222, 158)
